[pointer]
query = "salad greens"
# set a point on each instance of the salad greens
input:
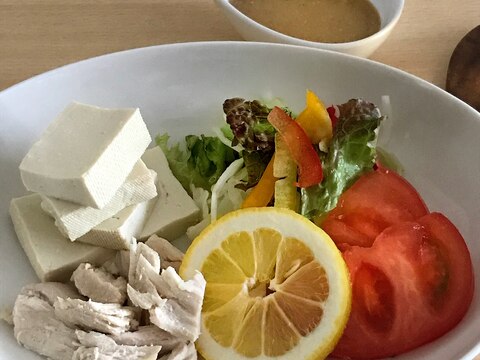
(249, 124)
(219, 175)
(201, 162)
(350, 154)
(209, 171)
(256, 162)
(250, 129)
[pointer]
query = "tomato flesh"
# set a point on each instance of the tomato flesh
(411, 286)
(374, 291)
(377, 200)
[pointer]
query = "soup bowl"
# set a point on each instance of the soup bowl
(251, 30)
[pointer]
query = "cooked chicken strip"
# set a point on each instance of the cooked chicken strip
(148, 335)
(169, 254)
(98, 285)
(174, 305)
(119, 264)
(97, 346)
(174, 319)
(189, 294)
(180, 315)
(137, 253)
(37, 328)
(143, 293)
(50, 291)
(90, 315)
(145, 300)
(121, 353)
(182, 352)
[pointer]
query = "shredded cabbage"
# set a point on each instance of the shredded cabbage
(218, 132)
(220, 187)
(227, 197)
(202, 199)
(231, 196)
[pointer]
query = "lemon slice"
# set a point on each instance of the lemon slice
(277, 287)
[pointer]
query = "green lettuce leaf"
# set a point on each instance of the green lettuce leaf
(200, 162)
(227, 132)
(351, 153)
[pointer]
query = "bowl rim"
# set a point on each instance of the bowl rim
(226, 5)
(171, 46)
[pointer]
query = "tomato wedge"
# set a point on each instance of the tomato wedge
(413, 285)
(374, 202)
(309, 165)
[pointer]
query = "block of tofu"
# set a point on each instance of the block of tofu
(53, 256)
(117, 231)
(85, 154)
(174, 209)
(74, 220)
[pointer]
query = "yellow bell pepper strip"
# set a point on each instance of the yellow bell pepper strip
(285, 170)
(315, 120)
(262, 193)
(309, 165)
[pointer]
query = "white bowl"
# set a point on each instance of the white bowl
(180, 88)
(249, 29)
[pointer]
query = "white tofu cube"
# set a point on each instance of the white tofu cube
(174, 210)
(85, 154)
(74, 220)
(117, 232)
(53, 256)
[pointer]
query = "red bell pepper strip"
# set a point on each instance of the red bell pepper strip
(301, 149)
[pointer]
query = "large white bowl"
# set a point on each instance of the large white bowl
(180, 88)
(249, 29)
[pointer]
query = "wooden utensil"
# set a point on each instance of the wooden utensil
(463, 75)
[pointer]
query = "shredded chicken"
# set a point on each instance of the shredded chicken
(182, 352)
(175, 305)
(99, 285)
(35, 325)
(50, 291)
(180, 315)
(119, 264)
(61, 323)
(97, 346)
(90, 315)
(149, 335)
(169, 254)
(140, 255)
(145, 300)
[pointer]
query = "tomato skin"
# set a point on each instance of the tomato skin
(377, 200)
(413, 285)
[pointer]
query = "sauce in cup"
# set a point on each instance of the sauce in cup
(329, 21)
